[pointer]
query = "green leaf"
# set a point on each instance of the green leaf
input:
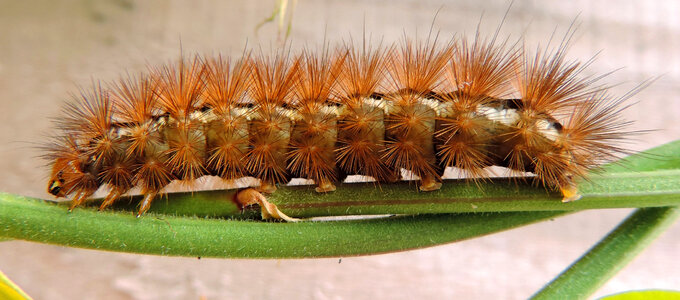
(644, 295)
(611, 254)
(191, 232)
(166, 235)
(664, 157)
(619, 247)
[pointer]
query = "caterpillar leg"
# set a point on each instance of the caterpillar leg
(570, 192)
(325, 186)
(428, 184)
(110, 198)
(268, 210)
(388, 176)
(146, 203)
(393, 176)
(80, 197)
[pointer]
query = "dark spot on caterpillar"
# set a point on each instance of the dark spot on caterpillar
(513, 104)
(244, 105)
(332, 103)
(377, 96)
(55, 187)
(557, 126)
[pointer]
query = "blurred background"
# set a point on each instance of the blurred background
(50, 48)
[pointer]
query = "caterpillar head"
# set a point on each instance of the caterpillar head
(58, 185)
(68, 177)
(55, 186)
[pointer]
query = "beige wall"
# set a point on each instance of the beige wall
(49, 48)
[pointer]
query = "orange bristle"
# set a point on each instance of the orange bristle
(89, 120)
(594, 131)
(362, 73)
(414, 71)
(479, 72)
(136, 103)
(318, 74)
(153, 174)
(186, 150)
(312, 141)
(548, 85)
(361, 129)
(273, 81)
(180, 87)
(135, 98)
(90, 114)
(415, 68)
(227, 136)
(118, 175)
(179, 91)
(144, 161)
(547, 82)
(227, 82)
(482, 69)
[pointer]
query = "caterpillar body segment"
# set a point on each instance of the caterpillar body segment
(420, 107)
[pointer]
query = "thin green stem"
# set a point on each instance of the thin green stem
(615, 190)
(611, 254)
(181, 224)
(167, 235)
(647, 179)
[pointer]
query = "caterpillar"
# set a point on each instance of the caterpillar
(418, 106)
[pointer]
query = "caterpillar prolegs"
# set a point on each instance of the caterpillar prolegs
(372, 111)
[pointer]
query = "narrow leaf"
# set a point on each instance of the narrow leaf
(611, 254)
(166, 235)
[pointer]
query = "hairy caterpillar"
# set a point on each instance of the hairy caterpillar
(415, 106)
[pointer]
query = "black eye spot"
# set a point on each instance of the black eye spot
(557, 126)
(54, 188)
